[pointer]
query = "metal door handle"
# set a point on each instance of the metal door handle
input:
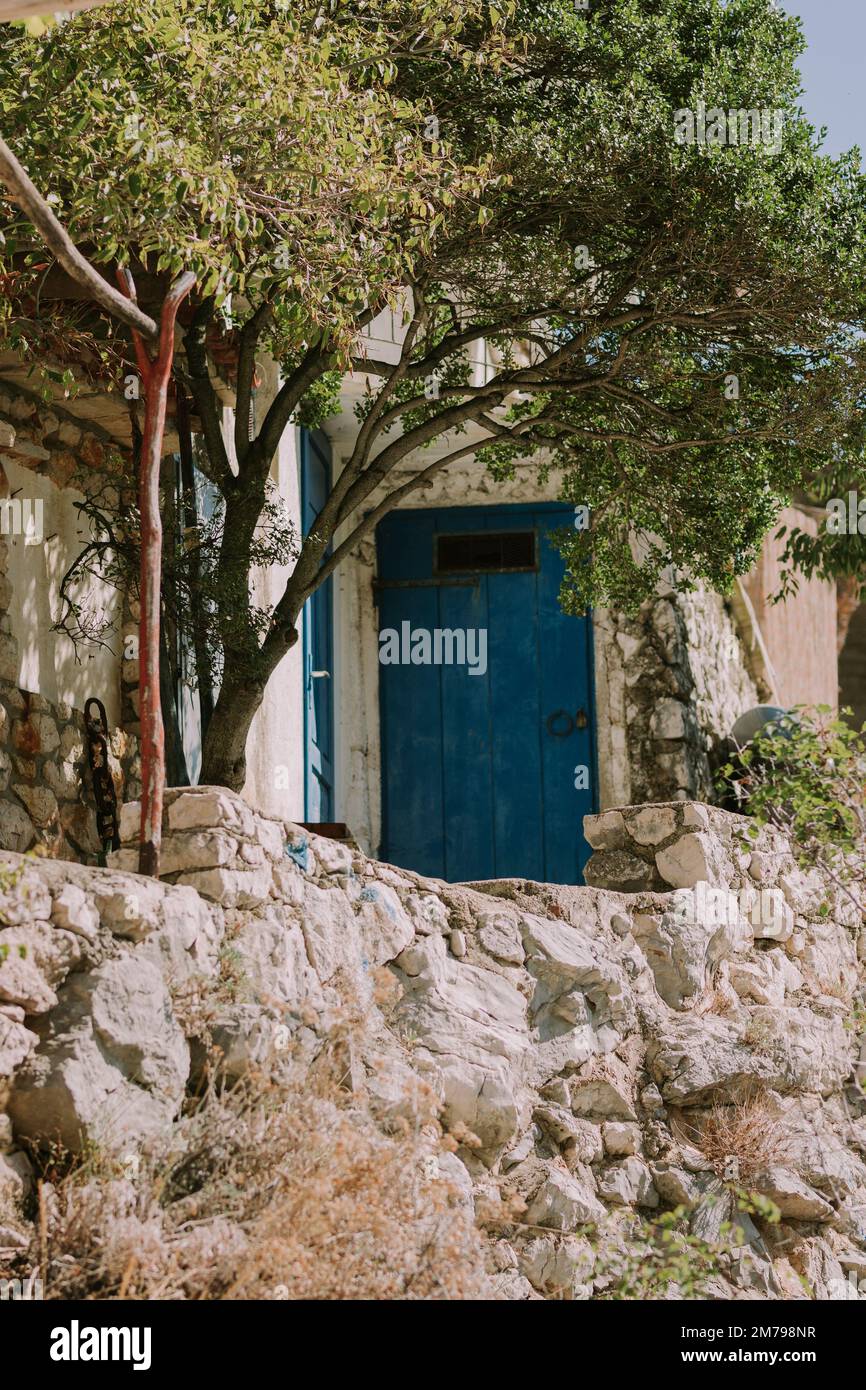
(317, 675)
(560, 724)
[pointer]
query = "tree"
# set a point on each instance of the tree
(291, 181)
(674, 325)
(155, 373)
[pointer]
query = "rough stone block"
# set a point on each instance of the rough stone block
(114, 1067)
(624, 872)
(73, 911)
(606, 831)
(652, 824)
(209, 807)
(198, 849)
(620, 1139)
(669, 720)
(232, 887)
(692, 859)
(563, 1204)
(628, 1183)
(16, 828)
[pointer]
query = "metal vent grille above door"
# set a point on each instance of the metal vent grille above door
(485, 552)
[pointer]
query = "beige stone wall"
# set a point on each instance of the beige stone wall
(670, 682)
(800, 634)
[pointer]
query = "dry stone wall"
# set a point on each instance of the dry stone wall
(46, 794)
(583, 1040)
(672, 681)
(54, 443)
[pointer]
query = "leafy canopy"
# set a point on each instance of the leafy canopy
(693, 313)
(672, 331)
(262, 146)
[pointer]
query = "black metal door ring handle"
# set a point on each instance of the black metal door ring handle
(561, 724)
(563, 719)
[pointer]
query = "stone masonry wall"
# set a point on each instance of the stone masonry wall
(46, 795)
(54, 443)
(581, 1039)
(670, 682)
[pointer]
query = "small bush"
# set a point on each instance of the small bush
(741, 1139)
(806, 776)
(265, 1190)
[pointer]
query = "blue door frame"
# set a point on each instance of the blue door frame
(481, 774)
(318, 643)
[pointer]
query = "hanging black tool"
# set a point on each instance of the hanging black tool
(96, 727)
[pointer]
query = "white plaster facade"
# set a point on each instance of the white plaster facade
(47, 662)
(275, 749)
(275, 752)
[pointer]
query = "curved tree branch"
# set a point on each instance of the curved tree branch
(61, 245)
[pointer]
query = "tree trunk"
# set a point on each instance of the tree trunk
(155, 375)
(224, 761)
(224, 752)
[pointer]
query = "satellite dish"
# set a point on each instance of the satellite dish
(755, 721)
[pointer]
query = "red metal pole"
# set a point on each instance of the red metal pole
(155, 375)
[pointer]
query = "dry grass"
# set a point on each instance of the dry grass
(741, 1139)
(266, 1190)
(719, 999)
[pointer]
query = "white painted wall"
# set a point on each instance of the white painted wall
(275, 749)
(47, 660)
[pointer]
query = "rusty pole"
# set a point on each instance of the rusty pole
(155, 375)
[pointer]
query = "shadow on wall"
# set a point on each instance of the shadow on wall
(800, 634)
(852, 667)
(45, 786)
(47, 661)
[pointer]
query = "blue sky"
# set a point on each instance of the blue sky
(833, 68)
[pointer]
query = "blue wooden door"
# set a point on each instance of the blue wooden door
(485, 774)
(318, 638)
